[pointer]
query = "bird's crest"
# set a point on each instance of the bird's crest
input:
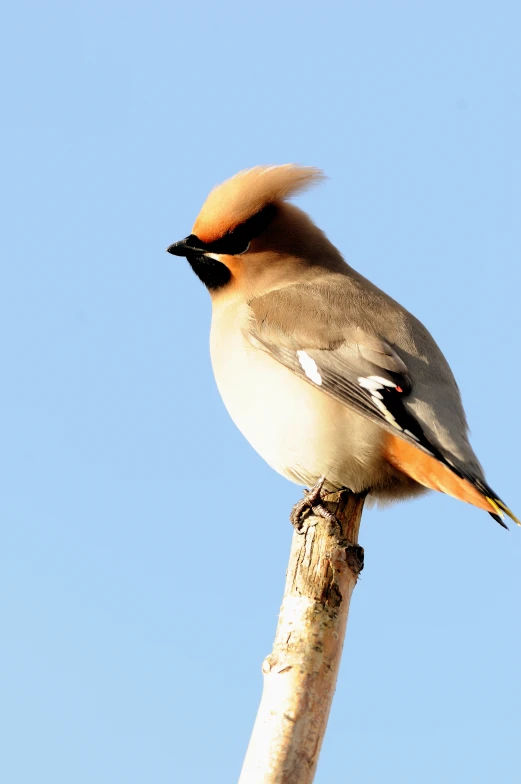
(237, 199)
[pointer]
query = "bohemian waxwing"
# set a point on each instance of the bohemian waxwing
(332, 382)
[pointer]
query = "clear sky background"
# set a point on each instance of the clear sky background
(143, 542)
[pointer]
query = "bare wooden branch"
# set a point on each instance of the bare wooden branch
(301, 672)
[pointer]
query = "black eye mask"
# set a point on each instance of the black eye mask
(238, 240)
(234, 242)
(213, 273)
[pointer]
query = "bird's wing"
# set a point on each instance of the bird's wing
(360, 369)
(298, 327)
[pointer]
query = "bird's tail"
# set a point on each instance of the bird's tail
(430, 472)
(501, 509)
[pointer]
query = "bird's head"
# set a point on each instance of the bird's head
(246, 236)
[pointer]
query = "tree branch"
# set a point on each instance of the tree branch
(301, 672)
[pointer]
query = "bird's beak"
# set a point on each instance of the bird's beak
(187, 246)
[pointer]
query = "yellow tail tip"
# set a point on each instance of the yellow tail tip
(501, 508)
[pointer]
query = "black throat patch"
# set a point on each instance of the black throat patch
(211, 272)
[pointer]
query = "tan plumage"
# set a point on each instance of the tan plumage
(242, 196)
(324, 373)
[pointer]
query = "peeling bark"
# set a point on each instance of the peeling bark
(300, 673)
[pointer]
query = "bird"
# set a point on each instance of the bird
(333, 382)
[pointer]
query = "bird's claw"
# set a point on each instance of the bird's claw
(313, 501)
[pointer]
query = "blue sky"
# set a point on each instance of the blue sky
(143, 542)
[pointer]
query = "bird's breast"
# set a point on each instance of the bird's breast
(296, 428)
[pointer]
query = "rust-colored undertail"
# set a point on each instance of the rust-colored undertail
(429, 472)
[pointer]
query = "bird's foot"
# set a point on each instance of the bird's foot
(312, 501)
